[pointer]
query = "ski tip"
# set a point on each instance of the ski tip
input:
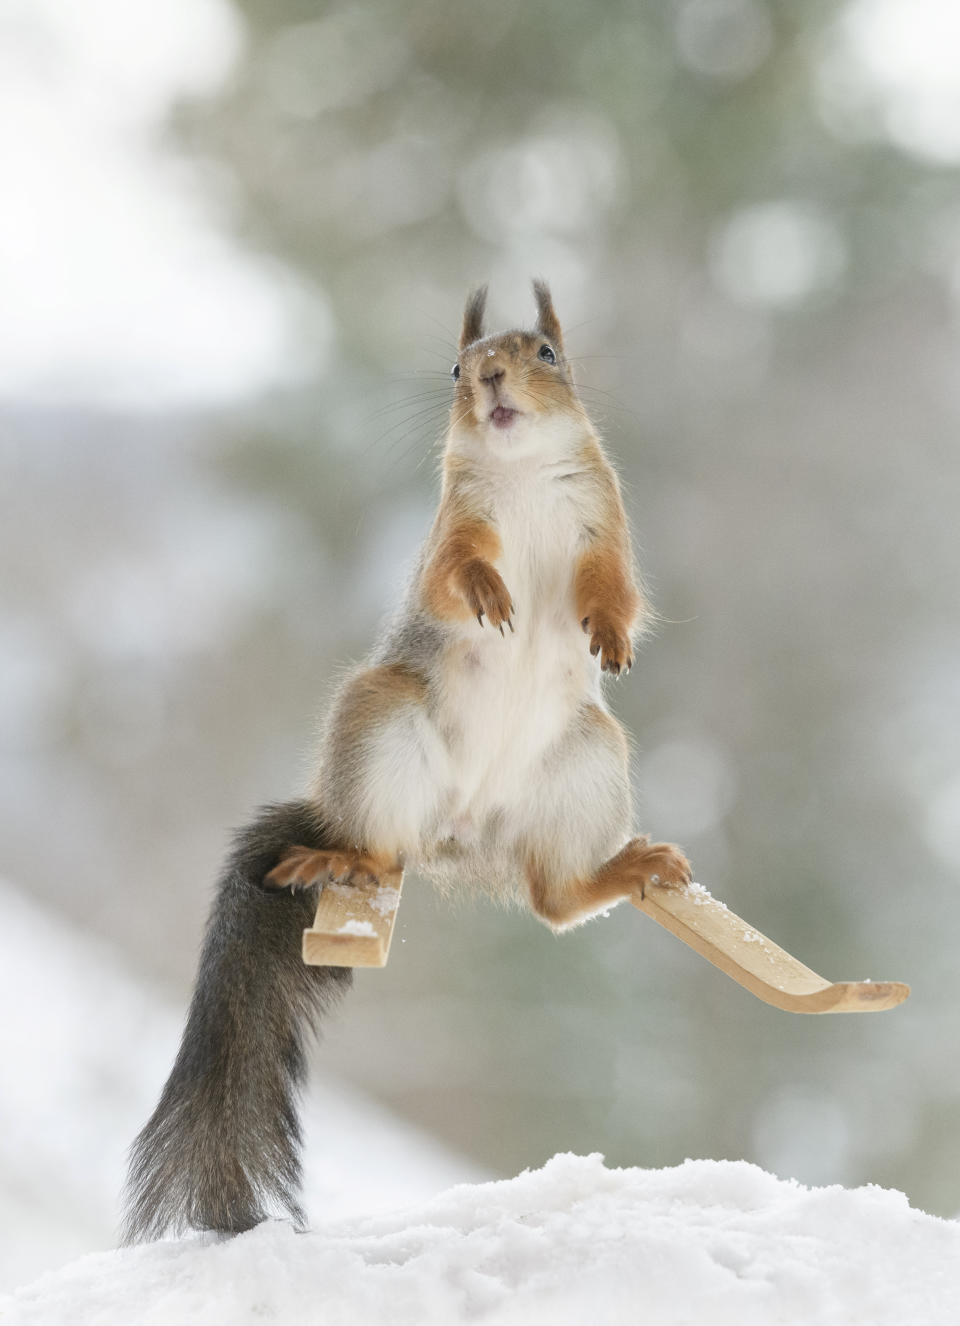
(867, 996)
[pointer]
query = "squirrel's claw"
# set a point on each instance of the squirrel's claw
(613, 646)
(487, 595)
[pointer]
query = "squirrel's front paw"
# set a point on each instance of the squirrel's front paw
(612, 644)
(486, 593)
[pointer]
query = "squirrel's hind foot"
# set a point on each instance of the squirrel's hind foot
(303, 867)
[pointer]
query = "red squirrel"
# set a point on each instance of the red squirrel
(474, 745)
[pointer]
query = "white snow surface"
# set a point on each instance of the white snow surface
(716, 1243)
(85, 1050)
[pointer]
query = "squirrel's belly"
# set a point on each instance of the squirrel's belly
(506, 701)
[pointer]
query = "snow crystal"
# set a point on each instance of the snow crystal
(362, 928)
(344, 890)
(718, 1242)
(702, 896)
(385, 901)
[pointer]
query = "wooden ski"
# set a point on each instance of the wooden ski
(354, 924)
(755, 962)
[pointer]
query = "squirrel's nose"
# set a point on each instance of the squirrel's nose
(493, 375)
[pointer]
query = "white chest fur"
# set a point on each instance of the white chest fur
(507, 699)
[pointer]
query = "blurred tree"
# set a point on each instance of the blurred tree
(767, 323)
(759, 284)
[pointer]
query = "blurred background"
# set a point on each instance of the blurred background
(235, 238)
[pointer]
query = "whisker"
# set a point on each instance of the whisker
(417, 436)
(419, 416)
(416, 373)
(451, 336)
(434, 445)
(447, 358)
(568, 331)
(434, 397)
(450, 350)
(580, 359)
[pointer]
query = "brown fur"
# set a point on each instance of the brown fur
(459, 580)
(366, 702)
(302, 867)
(223, 1147)
(472, 329)
(609, 603)
(547, 320)
(637, 866)
(561, 901)
(536, 386)
(375, 691)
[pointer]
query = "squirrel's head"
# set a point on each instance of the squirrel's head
(509, 385)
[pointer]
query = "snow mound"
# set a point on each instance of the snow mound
(714, 1242)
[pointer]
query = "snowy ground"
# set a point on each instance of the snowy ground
(712, 1243)
(85, 1050)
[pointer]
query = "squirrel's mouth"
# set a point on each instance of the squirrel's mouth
(502, 416)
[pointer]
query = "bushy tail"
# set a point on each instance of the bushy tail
(222, 1149)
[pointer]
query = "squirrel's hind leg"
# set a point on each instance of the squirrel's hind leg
(574, 829)
(637, 866)
(383, 775)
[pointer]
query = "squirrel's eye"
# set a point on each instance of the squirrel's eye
(547, 355)
(455, 372)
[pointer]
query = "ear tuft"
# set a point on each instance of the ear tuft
(472, 329)
(547, 321)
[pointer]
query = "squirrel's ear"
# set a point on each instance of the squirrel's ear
(472, 329)
(547, 321)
